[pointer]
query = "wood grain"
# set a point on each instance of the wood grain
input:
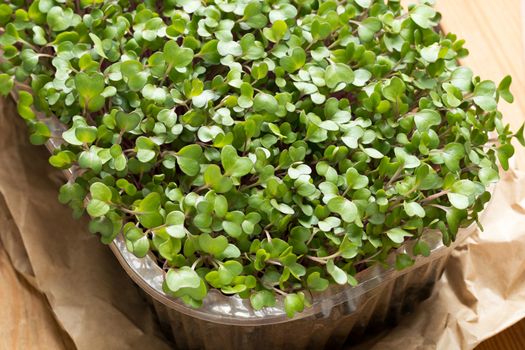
(26, 311)
(511, 339)
(493, 31)
(27, 319)
(493, 34)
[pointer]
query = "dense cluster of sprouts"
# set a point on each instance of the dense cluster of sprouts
(258, 146)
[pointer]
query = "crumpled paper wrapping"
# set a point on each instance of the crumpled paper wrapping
(97, 306)
(91, 297)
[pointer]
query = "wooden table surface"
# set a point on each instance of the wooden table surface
(494, 34)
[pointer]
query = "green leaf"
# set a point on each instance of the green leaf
(134, 74)
(225, 48)
(90, 87)
(260, 257)
(361, 77)
(282, 207)
(282, 11)
(520, 136)
(348, 249)
(184, 277)
(233, 164)
(421, 248)
(339, 276)
(276, 32)
(504, 89)
(452, 155)
(104, 226)
(423, 16)
(345, 208)
(320, 30)
(100, 191)
(254, 18)
(177, 56)
(454, 218)
(209, 52)
(220, 206)
(403, 261)
(189, 6)
(188, 159)
(25, 105)
(397, 235)
(40, 133)
(462, 78)
(301, 169)
(486, 103)
(265, 102)
(261, 299)
(97, 45)
(233, 229)
(6, 84)
(431, 53)
(5, 13)
(136, 241)
(239, 288)
(368, 28)
(295, 61)
(464, 193)
(484, 95)
(458, 200)
(354, 180)
(394, 90)
(154, 93)
(140, 247)
(414, 209)
(145, 149)
(62, 159)
(364, 3)
(127, 122)
(373, 153)
(219, 278)
(175, 224)
(338, 73)
(86, 134)
(215, 180)
(316, 283)
(427, 118)
(485, 88)
(71, 192)
(468, 187)
(234, 267)
(505, 152)
(90, 160)
(214, 246)
(97, 208)
(60, 19)
(488, 176)
(293, 303)
(149, 209)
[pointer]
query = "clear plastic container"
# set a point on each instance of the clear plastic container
(341, 315)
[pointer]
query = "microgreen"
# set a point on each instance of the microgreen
(260, 148)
